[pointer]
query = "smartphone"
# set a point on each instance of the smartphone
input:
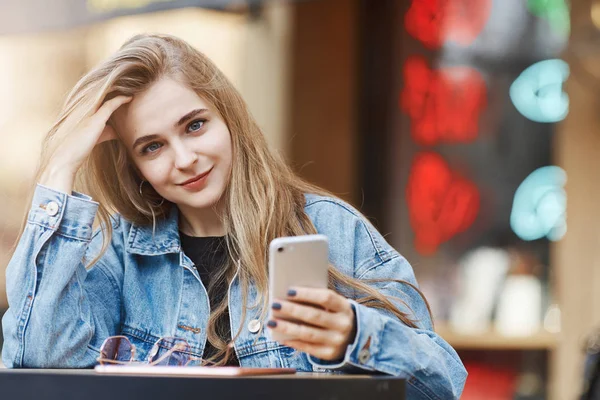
(296, 261)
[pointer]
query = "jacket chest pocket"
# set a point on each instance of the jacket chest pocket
(292, 358)
(142, 343)
(273, 355)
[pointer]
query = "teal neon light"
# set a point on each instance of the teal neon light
(538, 92)
(540, 205)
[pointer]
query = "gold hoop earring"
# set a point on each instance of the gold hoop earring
(162, 201)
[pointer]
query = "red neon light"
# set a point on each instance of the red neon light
(434, 22)
(441, 203)
(444, 105)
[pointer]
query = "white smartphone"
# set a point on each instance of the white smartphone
(296, 261)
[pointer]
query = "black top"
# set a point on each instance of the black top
(208, 254)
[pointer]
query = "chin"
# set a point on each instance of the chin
(201, 200)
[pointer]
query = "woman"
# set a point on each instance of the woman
(189, 197)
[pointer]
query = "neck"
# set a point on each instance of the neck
(200, 222)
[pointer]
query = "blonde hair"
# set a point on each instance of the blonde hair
(263, 200)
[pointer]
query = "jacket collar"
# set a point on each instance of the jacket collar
(163, 238)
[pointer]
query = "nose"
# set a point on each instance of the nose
(184, 156)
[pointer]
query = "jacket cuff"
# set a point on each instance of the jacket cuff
(69, 215)
(360, 355)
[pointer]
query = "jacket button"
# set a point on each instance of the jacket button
(363, 356)
(52, 208)
(254, 326)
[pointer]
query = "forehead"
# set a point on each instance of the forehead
(156, 110)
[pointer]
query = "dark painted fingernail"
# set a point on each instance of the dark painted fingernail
(276, 306)
(271, 324)
(291, 293)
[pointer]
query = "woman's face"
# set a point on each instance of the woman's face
(179, 143)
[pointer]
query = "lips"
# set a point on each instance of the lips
(196, 178)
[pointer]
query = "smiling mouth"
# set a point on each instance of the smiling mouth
(197, 178)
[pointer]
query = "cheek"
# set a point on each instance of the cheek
(227, 153)
(218, 147)
(225, 149)
(155, 172)
(226, 162)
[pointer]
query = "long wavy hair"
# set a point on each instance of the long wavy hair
(264, 198)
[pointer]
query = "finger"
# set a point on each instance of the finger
(309, 315)
(320, 351)
(110, 106)
(325, 298)
(300, 332)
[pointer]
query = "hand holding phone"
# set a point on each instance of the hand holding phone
(305, 314)
(296, 261)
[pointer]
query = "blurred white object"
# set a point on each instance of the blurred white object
(552, 319)
(482, 272)
(520, 306)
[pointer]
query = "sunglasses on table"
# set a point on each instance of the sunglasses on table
(118, 350)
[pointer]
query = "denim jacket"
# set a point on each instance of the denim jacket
(145, 287)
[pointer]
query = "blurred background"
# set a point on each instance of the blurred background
(465, 130)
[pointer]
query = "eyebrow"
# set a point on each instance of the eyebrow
(181, 121)
(190, 115)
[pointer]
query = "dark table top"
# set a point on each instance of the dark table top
(51, 384)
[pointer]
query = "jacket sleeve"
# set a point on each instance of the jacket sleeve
(384, 344)
(59, 312)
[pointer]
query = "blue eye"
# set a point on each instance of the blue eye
(151, 148)
(196, 125)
